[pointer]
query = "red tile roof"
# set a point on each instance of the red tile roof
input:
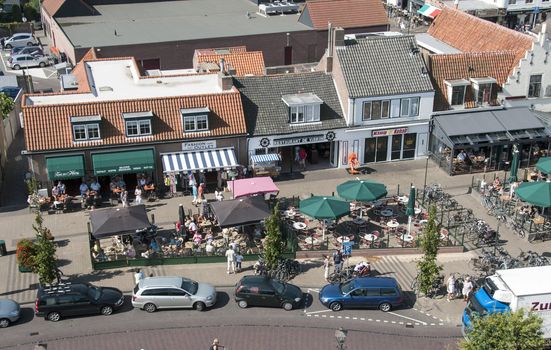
(48, 127)
(244, 63)
(80, 71)
(472, 34)
(232, 49)
(52, 6)
(468, 65)
(345, 13)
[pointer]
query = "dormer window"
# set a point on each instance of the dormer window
(86, 128)
(137, 123)
(195, 119)
(483, 89)
(303, 108)
(456, 91)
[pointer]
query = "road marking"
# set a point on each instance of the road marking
(313, 290)
(394, 322)
(362, 319)
(407, 318)
(339, 316)
(316, 312)
(331, 316)
(323, 315)
(354, 318)
(347, 317)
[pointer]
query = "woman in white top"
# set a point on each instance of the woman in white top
(467, 289)
(451, 287)
(326, 265)
(138, 194)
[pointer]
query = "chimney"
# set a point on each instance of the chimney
(329, 55)
(338, 40)
(543, 33)
(225, 81)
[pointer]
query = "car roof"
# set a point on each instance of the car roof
(255, 280)
(63, 288)
(375, 282)
(161, 281)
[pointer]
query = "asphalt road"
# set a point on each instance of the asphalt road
(312, 327)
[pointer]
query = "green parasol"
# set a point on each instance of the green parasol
(544, 165)
(361, 190)
(536, 193)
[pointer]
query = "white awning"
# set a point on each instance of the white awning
(264, 158)
(214, 159)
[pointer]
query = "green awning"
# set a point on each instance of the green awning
(63, 168)
(123, 162)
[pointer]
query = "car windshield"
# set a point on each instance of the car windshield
(94, 292)
(278, 286)
(475, 307)
(190, 286)
(347, 287)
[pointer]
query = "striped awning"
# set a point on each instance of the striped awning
(214, 159)
(429, 11)
(263, 158)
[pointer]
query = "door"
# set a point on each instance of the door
(269, 297)
(356, 298)
(83, 305)
(382, 148)
(65, 305)
(409, 146)
(422, 144)
(396, 150)
(370, 150)
(372, 297)
(157, 296)
(179, 298)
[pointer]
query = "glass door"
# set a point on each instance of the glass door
(369, 153)
(409, 146)
(382, 148)
(396, 150)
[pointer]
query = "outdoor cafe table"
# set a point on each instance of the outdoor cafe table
(290, 213)
(376, 203)
(359, 221)
(406, 238)
(393, 224)
(299, 225)
(370, 237)
(312, 241)
(423, 222)
(387, 212)
(403, 199)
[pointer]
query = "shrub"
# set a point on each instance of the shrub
(25, 253)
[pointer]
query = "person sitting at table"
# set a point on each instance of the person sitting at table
(95, 186)
(54, 191)
(113, 186)
(192, 227)
(219, 194)
(154, 246)
(197, 238)
(120, 183)
(142, 181)
(362, 269)
(462, 155)
(99, 255)
(83, 189)
(209, 248)
(533, 212)
(130, 252)
(209, 236)
(60, 188)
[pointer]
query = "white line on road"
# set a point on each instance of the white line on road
(313, 290)
(408, 318)
(316, 312)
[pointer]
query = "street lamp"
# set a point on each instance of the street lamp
(340, 335)
(499, 214)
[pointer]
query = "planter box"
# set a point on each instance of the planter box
(24, 269)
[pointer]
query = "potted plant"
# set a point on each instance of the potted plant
(24, 255)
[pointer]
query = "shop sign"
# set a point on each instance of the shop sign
(199, 145)
(299, 140)
(68, 173)
(388, 132)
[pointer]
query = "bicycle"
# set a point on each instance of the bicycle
(341, 276)
(435, 290)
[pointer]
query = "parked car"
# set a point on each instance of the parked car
(10, 91)
(10, 311)
(20, 39)
(383, 293)
(72, 299)
(27, 61)
(154, 293)
(27, 50)
(265, 291)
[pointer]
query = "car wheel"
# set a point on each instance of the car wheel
(16, 67)
(287, 306)
(242, 304)
(335, 306)
(149, 307)
(199, 306)
(9, 47)
(54, 316)
(385, 307)
(4, 323)
(29, 44)
(42, 64)
(106, 310)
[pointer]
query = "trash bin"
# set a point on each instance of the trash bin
(3, 250)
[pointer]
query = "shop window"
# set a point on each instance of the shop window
(375, 110)
(409, 146)
(409, 107)
(534, 88)
(512, 2)
(138, 127)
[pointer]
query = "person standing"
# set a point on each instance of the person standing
(451, 287)
(124, 198)
(337, 260)
(230, 255)
(302, 155)
(467, 289)
(138, 194)
(216, 345)
(201, 189)
(138, 276)
(326, 267)
(194, 191)
(238, 261)
(83, 189)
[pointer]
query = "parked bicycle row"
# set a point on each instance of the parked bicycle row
(488, 262)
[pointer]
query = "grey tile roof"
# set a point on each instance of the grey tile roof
(379, 66)
(267, 114)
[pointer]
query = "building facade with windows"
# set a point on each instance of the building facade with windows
(386, 94)
(129, 125)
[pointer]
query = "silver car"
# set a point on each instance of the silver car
(10, 311)
(20, 39)
(154, 293)
(27, 61)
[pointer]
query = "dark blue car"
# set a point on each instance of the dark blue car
(383, 293)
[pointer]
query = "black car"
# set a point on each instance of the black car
(68, 299)
(10, 91)
(265, 291)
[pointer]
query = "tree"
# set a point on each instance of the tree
(429, 270)
(273, 247)
(6, 105)
(16, 13)
(505, 331)
(44, 258)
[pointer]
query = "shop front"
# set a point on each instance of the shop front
(480, 141)
(316, 150)
(128, 165)
(385, 144)
(68, 168)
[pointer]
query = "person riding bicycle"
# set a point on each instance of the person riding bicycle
(362, 269)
